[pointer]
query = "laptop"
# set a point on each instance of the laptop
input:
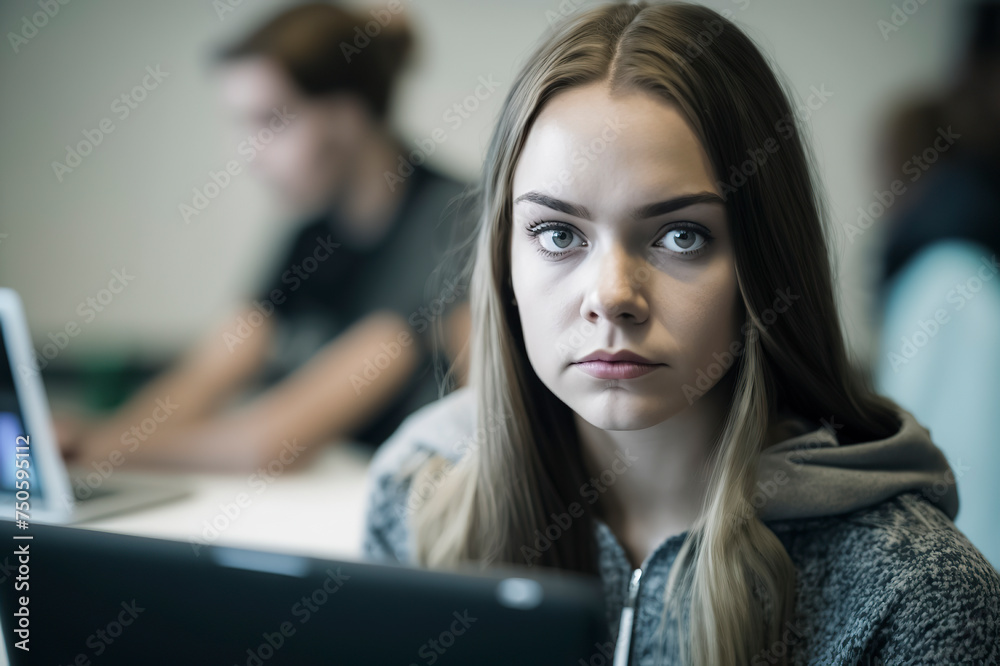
(32, 471)
(109, 599)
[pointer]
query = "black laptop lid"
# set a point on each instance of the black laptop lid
(101, 598)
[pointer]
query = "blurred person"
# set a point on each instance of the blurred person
(659, 389)
(343, 331)
(939, 292)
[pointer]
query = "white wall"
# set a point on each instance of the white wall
(119, 208)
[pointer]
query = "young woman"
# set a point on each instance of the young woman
(659, 391)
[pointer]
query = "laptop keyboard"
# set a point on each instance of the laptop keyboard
(83, 494)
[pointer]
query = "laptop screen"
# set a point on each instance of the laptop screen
(11, 427)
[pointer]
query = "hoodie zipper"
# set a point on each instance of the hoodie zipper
(624, 642)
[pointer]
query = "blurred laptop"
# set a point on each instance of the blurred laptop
(105, 598)
(40, 483)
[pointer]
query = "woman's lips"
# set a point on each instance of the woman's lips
(616, 369)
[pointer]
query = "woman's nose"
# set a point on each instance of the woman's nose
(615, 288)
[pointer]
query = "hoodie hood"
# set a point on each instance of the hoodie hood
(807, 473)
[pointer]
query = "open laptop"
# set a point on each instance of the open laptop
(104, 598)
(31, 466)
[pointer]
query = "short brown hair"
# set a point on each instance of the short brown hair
(317, 45)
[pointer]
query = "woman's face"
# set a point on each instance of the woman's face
(609, 255)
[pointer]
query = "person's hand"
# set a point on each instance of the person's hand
(221, 444)
(99, 441)
(71, 430)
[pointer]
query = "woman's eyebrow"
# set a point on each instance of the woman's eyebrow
(554, 204)
(649, 210)
(670, 205)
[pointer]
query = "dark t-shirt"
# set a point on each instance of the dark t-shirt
(325, 284)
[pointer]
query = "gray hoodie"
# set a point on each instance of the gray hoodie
(883, 575)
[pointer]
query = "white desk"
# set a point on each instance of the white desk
(316, 510)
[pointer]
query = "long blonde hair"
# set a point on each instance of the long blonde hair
(526, 463)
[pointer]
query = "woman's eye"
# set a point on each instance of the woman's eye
(685, 240)
(556, 239)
